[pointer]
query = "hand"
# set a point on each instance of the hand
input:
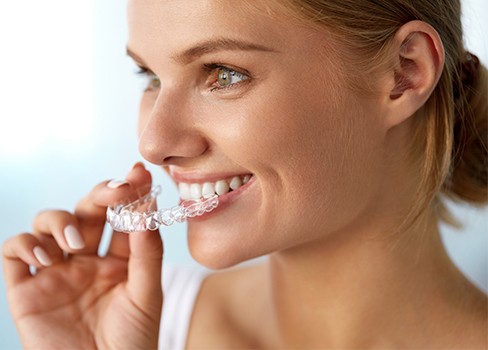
(77, 299)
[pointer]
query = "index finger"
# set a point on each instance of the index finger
(93, 207)
(91, 211)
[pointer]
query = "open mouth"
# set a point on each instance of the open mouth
(220, 187)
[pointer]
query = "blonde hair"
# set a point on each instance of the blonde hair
(451, 137)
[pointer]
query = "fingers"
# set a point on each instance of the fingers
(56, 232)
(119, 245)
(63, 227)
(81, 232)
(145, 252)
(144, 270)
(140, 181)
(91, 210)
(18, 253)
(52, 248)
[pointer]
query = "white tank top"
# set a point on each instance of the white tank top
(180, 286)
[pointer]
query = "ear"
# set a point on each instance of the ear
(418, 56)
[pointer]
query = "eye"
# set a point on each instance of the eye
(227, 77)
(150, 80)
(153, 82)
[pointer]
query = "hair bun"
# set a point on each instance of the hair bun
(469, 176)
(468, 72)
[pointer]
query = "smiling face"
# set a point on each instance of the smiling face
(239, 94)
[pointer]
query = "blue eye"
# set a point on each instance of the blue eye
(227, 77)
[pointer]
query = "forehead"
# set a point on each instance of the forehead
(176, 24)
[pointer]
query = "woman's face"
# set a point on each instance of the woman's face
(243, 91)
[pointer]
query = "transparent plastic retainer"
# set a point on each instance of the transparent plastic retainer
(141, 215)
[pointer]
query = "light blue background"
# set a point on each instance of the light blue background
(68, 107)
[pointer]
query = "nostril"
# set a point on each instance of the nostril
(173, 160)
(180, 160)
(161, 151)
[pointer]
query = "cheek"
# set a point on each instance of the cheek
(313, 159)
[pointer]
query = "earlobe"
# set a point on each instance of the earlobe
(418, 56)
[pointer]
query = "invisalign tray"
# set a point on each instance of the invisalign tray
(141, 215)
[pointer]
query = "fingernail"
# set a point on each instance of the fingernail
(42, 256)
(73, 237)
(116, 183)
(139, 165)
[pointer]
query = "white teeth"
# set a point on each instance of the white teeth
(208, 189)
(195, 191)
(184, 190)
(221, 187)
(246, 179)
(235, 183)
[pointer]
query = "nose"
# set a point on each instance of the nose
(167, 133)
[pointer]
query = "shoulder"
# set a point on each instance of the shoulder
(225, 308)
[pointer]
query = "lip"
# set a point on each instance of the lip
(225, 200)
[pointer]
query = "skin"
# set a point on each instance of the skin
(331, 183)
(297, 138)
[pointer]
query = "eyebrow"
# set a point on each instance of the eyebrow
(135, 57)
(209, 46)
(215, 45)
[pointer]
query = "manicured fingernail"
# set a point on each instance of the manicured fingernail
(73, 237)
(42, 256)
(116, 183)
(139, 165)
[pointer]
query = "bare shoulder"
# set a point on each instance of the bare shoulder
(226, 302)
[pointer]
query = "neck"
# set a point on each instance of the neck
(355, 290)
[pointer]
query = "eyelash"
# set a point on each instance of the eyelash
(142, 71)
(146, 73)
(211, 68)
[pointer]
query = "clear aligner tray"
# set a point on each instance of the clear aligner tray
(141, 215)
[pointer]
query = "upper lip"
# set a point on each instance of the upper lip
(196, 177)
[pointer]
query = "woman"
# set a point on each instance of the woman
(348, 119)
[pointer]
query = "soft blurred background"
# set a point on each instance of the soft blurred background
(68, 107)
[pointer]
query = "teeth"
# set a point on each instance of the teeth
(208, 189)
(221, 187)
(184, 189)
(246, 179)
(235, 183)
(197, 190)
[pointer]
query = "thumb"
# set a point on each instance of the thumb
(144, 271)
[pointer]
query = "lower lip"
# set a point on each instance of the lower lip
(224, 200)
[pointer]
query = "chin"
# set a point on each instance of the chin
(218, 249)
(216, 256)
(216, 259)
